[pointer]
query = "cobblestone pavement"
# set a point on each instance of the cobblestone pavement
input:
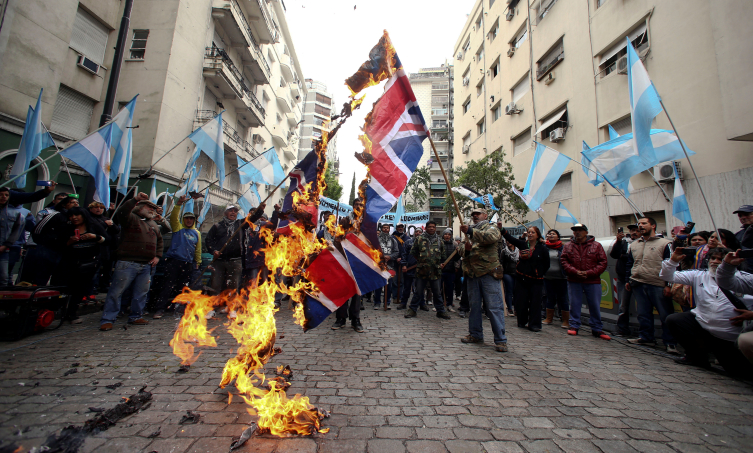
(404, 385)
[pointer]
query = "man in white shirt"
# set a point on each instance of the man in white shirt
(706, 328)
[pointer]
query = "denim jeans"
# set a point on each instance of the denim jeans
(557, 294)
(378, 300)
(489, 287)
(649, 297)
(418, 293)
(623, 319)
(509, 283)
(592, 294)
(448, 287)
(127, 273)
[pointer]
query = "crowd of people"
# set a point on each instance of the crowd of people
(490, 273)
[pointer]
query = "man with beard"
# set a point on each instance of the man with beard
(428, 249)
(707, 328)
(139, 251)
(391, 250)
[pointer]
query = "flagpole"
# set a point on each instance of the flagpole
(698, 181)
(547, 224)
(237, 169)
(447, 181)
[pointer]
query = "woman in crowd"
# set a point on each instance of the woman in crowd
(529, 278)
(104, 269)
(39, 266)
(83, 243)
(509, 259)
(555, 281)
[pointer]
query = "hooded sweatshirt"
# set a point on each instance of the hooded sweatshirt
(186, 241)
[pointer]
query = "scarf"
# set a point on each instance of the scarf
(229, 224)
(554, 245)
(433, 238)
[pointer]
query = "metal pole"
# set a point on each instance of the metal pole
(687, 156)
(117, 62)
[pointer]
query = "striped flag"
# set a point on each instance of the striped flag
(366, 272)
(546, 169)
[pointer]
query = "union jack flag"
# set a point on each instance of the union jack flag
(396, 130)
(303, 174)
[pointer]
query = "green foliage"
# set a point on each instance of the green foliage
(417, 190)
(352, 197)
(492, 175)
(334, 190)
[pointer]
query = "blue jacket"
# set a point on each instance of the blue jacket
(408, 259)
(11, 225)
(29, 224)
(186, 242)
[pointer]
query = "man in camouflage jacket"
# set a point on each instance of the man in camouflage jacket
(480, 258)
(428, 249)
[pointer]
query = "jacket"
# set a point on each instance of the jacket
(254, 255)
(482, 258)
(620, 253)
(141, 240)
(588, 256)
(449, 248)
(509, 260)
(12, 224)
(186, 242)
(555, 271)
(390, 248)
(408, 259)
(222, 231)
(49, 231)
(645, 258)
(429, 252)
(84, 253)
(536, 265)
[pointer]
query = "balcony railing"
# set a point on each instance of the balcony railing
(202, 116)
(267, 19)
(255, 45)
(216, 54)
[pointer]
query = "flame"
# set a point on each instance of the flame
(380, 66)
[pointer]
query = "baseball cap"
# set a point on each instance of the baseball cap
(744, 208)
(189, 214)
(232, 207)
(579, 226)
(632, 227)
(479, 210)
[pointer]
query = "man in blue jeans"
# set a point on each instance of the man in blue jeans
(139, 251)
(650, 291)
(583, 260)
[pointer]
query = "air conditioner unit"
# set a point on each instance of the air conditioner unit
(460, 55)
(622, 65)
(511, 108)
(549, 78)
(466, 149)
(466, 81)
(510, 14)
(87, 64)
(557, 135)
(511, 51)
(665, 171)
(256, 138)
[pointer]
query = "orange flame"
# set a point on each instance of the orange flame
(380, 66)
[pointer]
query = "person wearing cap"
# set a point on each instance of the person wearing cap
(480, 259)
(139, 252)
(429, 251)
(183, 257)
(619, 252)
(583, 260)
(448, 272)
(227, 262)
(745, 235)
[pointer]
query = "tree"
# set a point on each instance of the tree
(352, 197)
(417, 189)
(334, 190)
(490, 175)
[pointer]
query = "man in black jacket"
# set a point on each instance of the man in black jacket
(620, 253)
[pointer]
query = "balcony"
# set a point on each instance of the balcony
(292, 119)
(295, 89)
(223, 196)
(261, 20)
(280, 138)
(232, 19)
(289, 154)
(283, 101)
(286, 65)
(233, 140)
(228, 79)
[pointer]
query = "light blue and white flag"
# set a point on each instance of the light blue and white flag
(153, 193)
(204, 209)
(249, 200)
(546, 169)
(266, 168)
(399, 211)
(192, 185)
(612, 133)
(588, 168)
(33, 141)
(526, 198)
(645, 104)
(680, 208)
(565, 216)
(165, 203)
(92, 153)
(209, 138)
(246, 171)
(122, 141)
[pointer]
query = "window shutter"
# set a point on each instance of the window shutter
(562, 190)
(622, 127)
(522, 142)
(72, 114)
(519, 90)
(89, 36)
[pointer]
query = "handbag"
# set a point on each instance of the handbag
(498, 272)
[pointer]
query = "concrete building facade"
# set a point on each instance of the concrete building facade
(318, 108)
(526, 69)
(188, 61)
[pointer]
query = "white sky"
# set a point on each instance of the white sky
(332, 40)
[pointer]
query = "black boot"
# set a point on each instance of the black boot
(339, 323)
(356, 323)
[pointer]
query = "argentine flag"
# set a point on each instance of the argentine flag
(680, 208)
(588, 168)
(122, 141)
(209, 138)
(565, 216)
(645, 104)
(204, 209)
(191, 186)
(266, 168)
(546, 169)
(153, 193)
(249, 200)
(92, 153)
(33, 141)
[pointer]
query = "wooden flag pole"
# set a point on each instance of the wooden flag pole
(447, 181)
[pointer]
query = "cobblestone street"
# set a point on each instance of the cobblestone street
(402, 385)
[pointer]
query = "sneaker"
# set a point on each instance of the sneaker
(672, 349)
(158, 314)
(461, 313)
(139, 322)
(641, 341)
(210, 315)
(410, 314)
(471, 339)
(572, 332)
(106, 326)
(357, 325)
(501, 347)
(401, 307)
(376, 307)
(450, 309)
(433, 309)
(424, 308)
(339, 323)
(601, 335)
(443, 315)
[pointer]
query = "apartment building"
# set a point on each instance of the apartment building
(434, 92)
(188, 61)
(556, 73)
(318, 108)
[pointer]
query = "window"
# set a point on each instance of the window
(467, 105)
(520, 38)
(317, 133)
(138, 44)
(439, 99)
(522, 142)
(439, 123)
(494, 31)
(622, 127)
(558, 119)
(467, 46)
(610, 59)
(438, 112)
(481, 127)
(562, 190)
(496, 113)
(480, 88)
(89, 36)
(321, 110)
(495, 69)
(520, 89)
(480, 54)
(550, 60)
(440, 85)
(323, 99)
(599, 3)
(478, 22)
(72, 114)
(542, 9)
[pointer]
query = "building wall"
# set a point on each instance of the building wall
(681, 47)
